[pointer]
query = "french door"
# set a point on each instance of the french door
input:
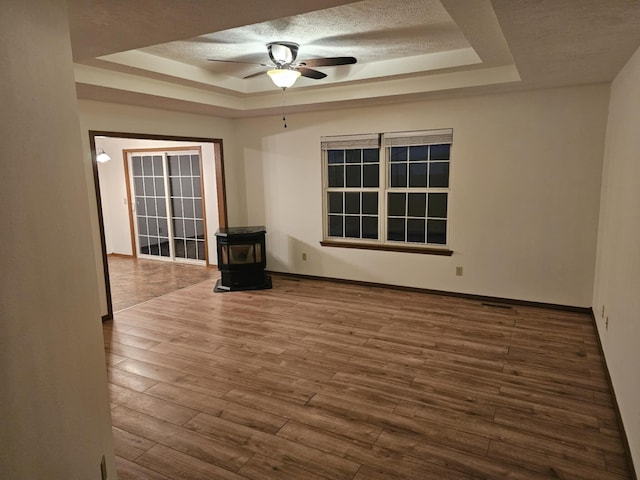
(168, 205)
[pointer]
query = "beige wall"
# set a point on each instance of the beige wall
(617, 284)
(54, 406)
(525, 177)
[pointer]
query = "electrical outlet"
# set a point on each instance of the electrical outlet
(304, 257)
(602, 313)
(103, 468)
(458, 271)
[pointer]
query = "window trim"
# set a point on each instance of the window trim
(408, 248)
(383, 141)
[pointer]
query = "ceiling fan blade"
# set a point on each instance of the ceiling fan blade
(310, 73)
(253, 75)
(328, 62)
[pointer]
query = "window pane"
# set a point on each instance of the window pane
(335, 156)
(162, 208)
(440, 152)
(415, 230)
(185, 165)
(149, 188)
(370, 203)
(198, 205)
(418, 153)
(438, 205)
(192, 249)
(197, 191)
(335, 202)
(370, 227)
(352, 227)
(151, 207)
(201, 251)
(335, 226)
(370, 155)
(142, 226)
(352, 202)
(147, 166)
(354, 176)
(163, 227)
(371, 175)
(353, 156)
(138, 186)
(141, 206)
(187, 190)
(153, 226)
(175, 186)
(398, 154)
(418, 175)
(200, 229)
(437, 231)
(336, 176)
(439, 174)
(195, 165)
(159, 186)
(396, 204)
(164, 247)
(417, 205)
(178, 228)
(176, 204)
(189, 211)
(399, 175)
(395, 229)
(136, 163)
(174, 165)
(157, 166)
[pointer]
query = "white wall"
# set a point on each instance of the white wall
(107, 117)
(113, 191)
(54, 402)
(526, 171)
(617, 284)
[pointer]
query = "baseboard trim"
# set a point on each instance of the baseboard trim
(623, 432)
(468, 296)
(121, 255)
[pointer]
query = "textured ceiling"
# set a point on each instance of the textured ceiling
(154, 52)
(371, 30)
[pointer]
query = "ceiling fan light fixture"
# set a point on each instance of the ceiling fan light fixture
(283, 77)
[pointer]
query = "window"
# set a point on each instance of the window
(387, 191)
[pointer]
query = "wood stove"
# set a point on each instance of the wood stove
(241, 259)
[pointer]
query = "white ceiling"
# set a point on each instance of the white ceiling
(154, 52)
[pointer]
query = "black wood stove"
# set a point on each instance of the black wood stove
(241, 259)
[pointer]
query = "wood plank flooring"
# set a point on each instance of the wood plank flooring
(316, 380)
(136, 280)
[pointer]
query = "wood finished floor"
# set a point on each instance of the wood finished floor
(316, 380)
(135, 280)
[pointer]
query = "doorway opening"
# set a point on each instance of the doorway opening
(155, 197)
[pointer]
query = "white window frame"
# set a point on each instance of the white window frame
(384, 142)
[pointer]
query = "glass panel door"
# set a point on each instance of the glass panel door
(151, 205)
(169, 206)
(186, 204)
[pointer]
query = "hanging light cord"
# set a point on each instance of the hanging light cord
(284, 119)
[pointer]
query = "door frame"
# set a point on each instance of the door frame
(220, 187)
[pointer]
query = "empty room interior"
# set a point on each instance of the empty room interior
(445, 282)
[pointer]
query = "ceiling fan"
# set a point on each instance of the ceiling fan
(285, 70)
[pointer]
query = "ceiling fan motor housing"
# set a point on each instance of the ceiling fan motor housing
(282, 53)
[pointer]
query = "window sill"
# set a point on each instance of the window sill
(388, 248)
